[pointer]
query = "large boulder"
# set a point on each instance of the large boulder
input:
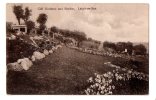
(14, 66)
(38, 55)
(46, 52)
(25, 63)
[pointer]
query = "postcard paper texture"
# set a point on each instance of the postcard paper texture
(77, 49)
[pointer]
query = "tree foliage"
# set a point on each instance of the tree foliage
(30, 25)
(27, 14)
(129, 47)
(18, 11)
(140, 49)
(109, 45)
(119, 46)
(42, 27)
(77, 35)
(24, 14)
(8, 27)
(42, 19)
(54, 29)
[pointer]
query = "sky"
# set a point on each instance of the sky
(105, 22)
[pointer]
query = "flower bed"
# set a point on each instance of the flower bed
(97, 52)
(119, 81)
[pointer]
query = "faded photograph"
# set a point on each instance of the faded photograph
(77, 49)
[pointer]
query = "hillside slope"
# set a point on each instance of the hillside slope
(63, 72)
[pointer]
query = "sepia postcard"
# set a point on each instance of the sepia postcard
(77, 48)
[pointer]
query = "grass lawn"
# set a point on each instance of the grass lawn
(63, 72)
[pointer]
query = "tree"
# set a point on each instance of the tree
(89, 39)
(79, 36)
(41, 29)
(18, 11)
(129, 47)
(27, 14)
(30, 25)
(54, 29)
(109, 45)
(121, 46)
(42, 19)
(140, 49)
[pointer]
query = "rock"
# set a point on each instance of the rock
(107, 63)
(25, 63)
(50, 51)
(14, 66)
(9, 38)
(38, 37)
(59, 46)
(53, 48)
(33, 58)
(18, 33)
(38, 55)
(13, 37)
(85, 50)
(46, 52)
(29, 62)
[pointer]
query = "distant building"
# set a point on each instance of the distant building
(20, 28)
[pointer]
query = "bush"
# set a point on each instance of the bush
(30, 25)
(17, 49)
(8, 27)
(140, 49)
(111, 45)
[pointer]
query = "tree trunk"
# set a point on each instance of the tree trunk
(19, 21)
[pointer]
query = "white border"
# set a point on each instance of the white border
(152, 51)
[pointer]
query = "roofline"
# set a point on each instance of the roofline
(18, 25)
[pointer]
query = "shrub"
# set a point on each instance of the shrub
(17, 49)
(140, 49)
(111, 45)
